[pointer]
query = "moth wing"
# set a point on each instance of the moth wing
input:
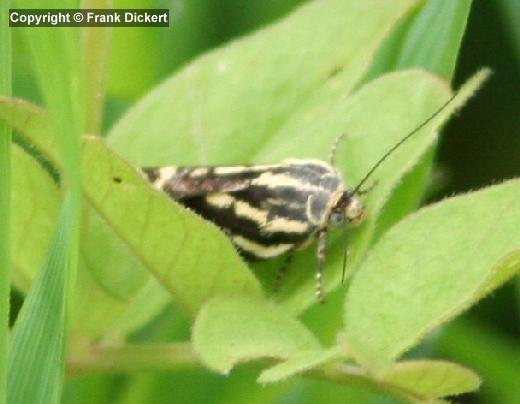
(265, 209)
(183, 182)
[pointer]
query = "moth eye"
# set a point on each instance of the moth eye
(336, 218)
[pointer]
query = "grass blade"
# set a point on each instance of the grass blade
(36, 359)
(430, 39)
(36, 354)
(5, 173)
(434, 40)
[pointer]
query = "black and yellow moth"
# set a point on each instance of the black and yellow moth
(266, 210)
(272, 209)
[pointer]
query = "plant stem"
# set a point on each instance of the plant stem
(129, 358)
(174, 356)
(96, 53)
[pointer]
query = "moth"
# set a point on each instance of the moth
(272, 209)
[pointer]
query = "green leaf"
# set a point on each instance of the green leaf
(167, 238)
(400, 101)
(37, 203)
(33, 122)
(431, 378)
(417, 379)
(434, 39)
(429, 268)
(37, 347)
(230, 330)
(297, 363)
(109, 260)
(416, 41)
(408, 193)
(246, 91)
(150, 300)
(110, 277)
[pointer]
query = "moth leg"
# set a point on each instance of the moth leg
(334, 148)
(322, 243)
(345, 253)
(281, 271)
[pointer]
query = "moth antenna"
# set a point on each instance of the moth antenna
(334, 148)
(345, 253)
(398, 144)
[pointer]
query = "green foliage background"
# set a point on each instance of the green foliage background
(478, 148)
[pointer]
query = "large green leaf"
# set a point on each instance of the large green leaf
(415, 43)
(228, 331)
(247, 90)
(399, 101)
(429, 268)
(189, 256)
(409, 192)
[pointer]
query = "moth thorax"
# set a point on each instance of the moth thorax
(352, 207)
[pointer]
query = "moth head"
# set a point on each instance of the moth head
(348, 207)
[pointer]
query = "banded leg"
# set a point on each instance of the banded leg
(334, 148)
(322, 243)
(282, 270)
(345, 252)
